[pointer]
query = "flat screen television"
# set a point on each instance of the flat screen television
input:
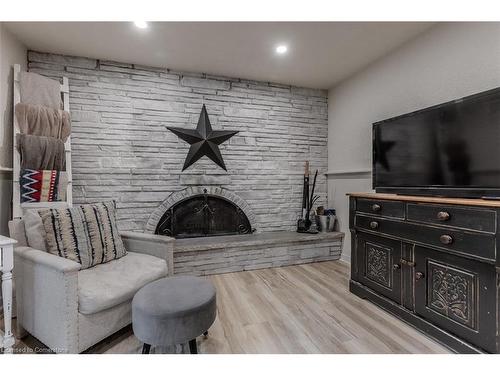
(451, 150)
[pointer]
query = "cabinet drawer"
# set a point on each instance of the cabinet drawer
(479, 245)
(467, 218)
(381, 207)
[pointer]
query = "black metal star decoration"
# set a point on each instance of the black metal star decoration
(203, 140)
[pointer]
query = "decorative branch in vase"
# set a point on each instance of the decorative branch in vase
(304, 224)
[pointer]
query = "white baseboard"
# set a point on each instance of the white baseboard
(345, 258)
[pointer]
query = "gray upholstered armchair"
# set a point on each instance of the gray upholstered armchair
(69, 309)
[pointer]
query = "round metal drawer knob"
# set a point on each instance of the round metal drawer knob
(419, 275)
(376, 207)
(396, 266)
(373, 225)
(446, 239)
(443, 216)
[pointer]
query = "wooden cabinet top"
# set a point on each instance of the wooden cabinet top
(436, 200)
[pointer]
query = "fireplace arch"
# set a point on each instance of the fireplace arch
(198, 211)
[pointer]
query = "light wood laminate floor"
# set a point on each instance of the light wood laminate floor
(296, 309)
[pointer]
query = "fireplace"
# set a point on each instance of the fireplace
(202, 215)
(210, 224)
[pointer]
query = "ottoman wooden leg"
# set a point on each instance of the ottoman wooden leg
(193, 348)
(146, 348)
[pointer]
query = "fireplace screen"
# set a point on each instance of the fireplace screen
(203, 215)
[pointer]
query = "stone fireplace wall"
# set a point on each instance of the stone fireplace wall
(123, 151)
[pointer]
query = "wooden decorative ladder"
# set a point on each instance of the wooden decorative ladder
(17, 206)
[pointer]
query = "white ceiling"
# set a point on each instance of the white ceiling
(319, 54)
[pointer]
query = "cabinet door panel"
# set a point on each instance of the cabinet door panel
(378, 265)
(457, 295)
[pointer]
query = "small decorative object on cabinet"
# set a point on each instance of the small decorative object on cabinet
(433, 263)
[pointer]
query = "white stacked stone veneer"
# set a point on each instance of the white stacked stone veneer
(123, 151)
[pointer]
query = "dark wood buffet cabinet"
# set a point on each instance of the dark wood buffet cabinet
(432, 262)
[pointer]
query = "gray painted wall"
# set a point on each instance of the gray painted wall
(449, 61)
(11, 52)
(123, 151)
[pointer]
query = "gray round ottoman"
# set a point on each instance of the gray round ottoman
(174, 310)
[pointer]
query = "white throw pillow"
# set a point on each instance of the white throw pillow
(35, 232)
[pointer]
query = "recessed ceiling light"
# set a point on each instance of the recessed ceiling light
(281, 49)
(141, 24)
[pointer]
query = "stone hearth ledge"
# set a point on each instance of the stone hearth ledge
(221, 254)
(255, 239)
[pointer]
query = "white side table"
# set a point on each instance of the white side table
(6, 266)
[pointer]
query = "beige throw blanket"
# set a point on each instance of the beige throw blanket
(40, 90)
(43, 121)
(41, 152)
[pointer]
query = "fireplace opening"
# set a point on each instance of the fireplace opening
(203, 215)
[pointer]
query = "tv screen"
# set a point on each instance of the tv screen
(452, 149)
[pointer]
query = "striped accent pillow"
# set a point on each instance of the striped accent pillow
(86, 234)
